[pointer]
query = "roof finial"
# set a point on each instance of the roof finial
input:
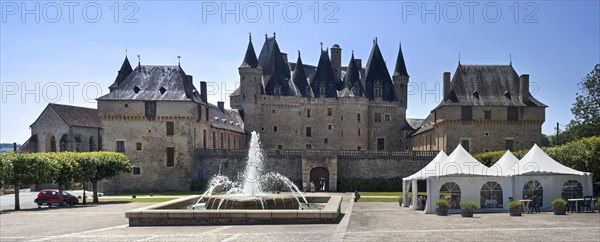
(321, 46)
(298, 53)
(125, 52)
(266, 36)
(179, 60)
(139, 63)
(353, 53)
(274, 35)
(375, 39)
(459, 58)
(400, 44)
(510, 57)
(250, 35)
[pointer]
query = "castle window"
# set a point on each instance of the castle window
(377, 118)
(486, 134)
(214, 139)
(308, 146)
(170, 157)
(329, 111)
(274, 128)
(466, 144)
(512, 114)
(206, 113)
(381, 144)
(342, 117)
(308, 113)
(326, 141)
(359, 148)
(170, 128)
(262, 128)
(358, 117)
(509, 144)
(91, 141)
(138, 146)
(150, 109)
(308, 132)
(204, 138)
(358, 132)
(329, 127)
(466, 113)
(137, 170)
(487, 114)
(280, 147)
(222, 141)
(273, 111)
(120, 146)
(387, 117)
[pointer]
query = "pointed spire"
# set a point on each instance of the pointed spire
(179, 61)
(352, 78)
(125, 71)
(324, 77)
(300, 77)
(400, 69)
(377, 72)
(250, 59)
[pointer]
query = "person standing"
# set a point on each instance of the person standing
(312, 186)
(304, 186)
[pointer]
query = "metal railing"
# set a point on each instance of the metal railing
(339, 153)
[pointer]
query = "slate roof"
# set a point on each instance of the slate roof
(426, 125)
(275, 70)
(378, 72)
(122, 74)
(300, 78)
(228, 119)
(352, 79)
(324, 77)
(400, 69)
(412, 124)
(487, 85)
(155, 83)
(250, 59)
(76, 116)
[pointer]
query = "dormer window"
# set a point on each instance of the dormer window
(162, 90)
(136, 89)
(507, 95)
(476, 94)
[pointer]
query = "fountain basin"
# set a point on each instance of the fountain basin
(275, 201)
(175, 212)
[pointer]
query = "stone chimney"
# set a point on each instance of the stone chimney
(524, 87)
(221, 106)
(446, 85)
(203, 92)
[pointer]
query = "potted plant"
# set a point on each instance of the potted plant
(400, 201)
(467, 208)
(514, 208)
(442, 207)
(559, 206)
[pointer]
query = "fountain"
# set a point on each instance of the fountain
(258, 198)
(250, 193)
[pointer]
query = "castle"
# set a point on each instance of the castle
(327, 107)
(328, 121)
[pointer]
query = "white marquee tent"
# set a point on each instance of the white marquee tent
(460, 177)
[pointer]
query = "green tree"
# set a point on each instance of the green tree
(86, 168)
(66, 168)
(5, 169)
(586, 109)
(110, 164)
(28, 169)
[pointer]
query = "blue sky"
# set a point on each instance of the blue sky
(71, 54)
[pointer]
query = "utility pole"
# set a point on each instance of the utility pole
(557, 130)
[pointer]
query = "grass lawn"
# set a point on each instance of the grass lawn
(378, 200)
(397, 194)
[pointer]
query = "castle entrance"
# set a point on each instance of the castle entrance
(320, 177)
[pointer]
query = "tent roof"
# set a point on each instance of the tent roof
(460, 162)
(536, 161)
(430, 169)
(505, 166)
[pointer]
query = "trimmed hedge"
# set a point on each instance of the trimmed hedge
(370, 185)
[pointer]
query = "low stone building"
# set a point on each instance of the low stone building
(485, 108)
(65, 128)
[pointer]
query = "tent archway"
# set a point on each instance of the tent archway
(572, 189)
(532, 189)
(491, 195)
(451, 192)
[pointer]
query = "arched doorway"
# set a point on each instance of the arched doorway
(320, 177)
(451, 192)
(50, 143)
(491, 195)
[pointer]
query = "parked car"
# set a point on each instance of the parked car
(50, 197)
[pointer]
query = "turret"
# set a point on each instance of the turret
(400, 78)
(336, 62)
(122, 74)
(250, 80)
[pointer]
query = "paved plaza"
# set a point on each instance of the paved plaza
(361, 222)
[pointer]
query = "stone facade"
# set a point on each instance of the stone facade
(65, 128)
(485, 108)
(344, 117)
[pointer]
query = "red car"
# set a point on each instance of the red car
(50, 196)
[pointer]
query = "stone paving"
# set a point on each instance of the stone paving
(361, 222)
